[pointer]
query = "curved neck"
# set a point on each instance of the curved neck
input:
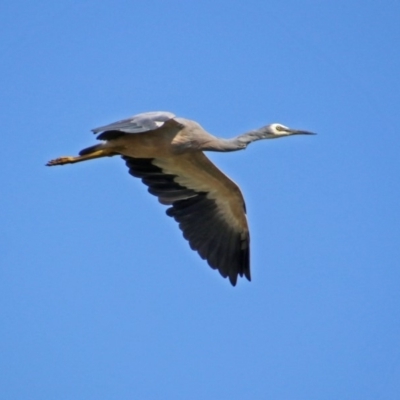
(237, 143)
(221, 144)
(251, 136)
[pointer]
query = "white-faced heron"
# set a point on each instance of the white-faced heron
(166, 152)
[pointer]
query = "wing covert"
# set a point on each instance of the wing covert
(138, 123)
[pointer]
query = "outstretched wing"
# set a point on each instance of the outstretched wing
(208, 206)
(138, 123)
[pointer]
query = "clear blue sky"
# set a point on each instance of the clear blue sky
(101, 298)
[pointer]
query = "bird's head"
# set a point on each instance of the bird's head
(274, 131)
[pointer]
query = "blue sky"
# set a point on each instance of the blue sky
(100, 296)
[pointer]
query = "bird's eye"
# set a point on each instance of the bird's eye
(279, 128)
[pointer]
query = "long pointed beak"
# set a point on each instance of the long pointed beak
(299, 132)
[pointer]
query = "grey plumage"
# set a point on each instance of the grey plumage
(138, 123)
(166, 153)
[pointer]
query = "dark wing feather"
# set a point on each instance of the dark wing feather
(201, 218)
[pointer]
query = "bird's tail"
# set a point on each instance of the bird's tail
(90, 150)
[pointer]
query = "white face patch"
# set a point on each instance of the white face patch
(279, 129)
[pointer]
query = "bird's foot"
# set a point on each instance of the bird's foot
(61, 161)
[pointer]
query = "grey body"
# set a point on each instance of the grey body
(166, 152)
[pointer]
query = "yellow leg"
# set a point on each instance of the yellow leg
(90, 156)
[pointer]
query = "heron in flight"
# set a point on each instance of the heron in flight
(167, 154)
